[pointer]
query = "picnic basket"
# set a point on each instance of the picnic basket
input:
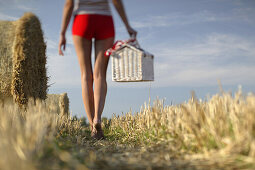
(130, 63)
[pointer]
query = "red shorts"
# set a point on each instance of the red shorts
(93, 26)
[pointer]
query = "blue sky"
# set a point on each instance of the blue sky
(195, 43)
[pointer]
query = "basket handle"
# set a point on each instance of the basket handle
(119, 43)
(132, 36)
(133, 41)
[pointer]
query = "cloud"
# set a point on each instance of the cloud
(51, 44)
(64, 70)
(26, 8)
(69, 38)
(206, 76)
(215, 47)
(176, 19)
(226, 57)
(245, 14)
(24, 5)
(7, 17)
(9, 9)
(180, 19)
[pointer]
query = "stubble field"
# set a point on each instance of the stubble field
(216, 133)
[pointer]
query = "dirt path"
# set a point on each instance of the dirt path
(85, 153)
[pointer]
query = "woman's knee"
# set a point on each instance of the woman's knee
(99, 75)
(99, 79)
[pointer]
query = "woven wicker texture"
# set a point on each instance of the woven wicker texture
(131, 64)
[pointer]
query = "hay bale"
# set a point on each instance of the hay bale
(7, 30)
(58, 103)
(22, 59)
(55, 103)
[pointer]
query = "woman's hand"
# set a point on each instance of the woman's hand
(120, 9)
(62, 42)
(67, 13)
(132, 32)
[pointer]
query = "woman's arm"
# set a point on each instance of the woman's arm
(120, 9)
(67, 13)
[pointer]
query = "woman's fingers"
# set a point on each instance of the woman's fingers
(62, 42)
(60, 52)
(132, 32)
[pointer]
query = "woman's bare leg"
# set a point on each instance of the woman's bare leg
(100, 85)
(83, 50)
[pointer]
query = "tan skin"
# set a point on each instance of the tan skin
(94, 100)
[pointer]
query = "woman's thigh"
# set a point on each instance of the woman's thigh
(101, 61)
(83, 50)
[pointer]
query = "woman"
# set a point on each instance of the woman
(92, 19)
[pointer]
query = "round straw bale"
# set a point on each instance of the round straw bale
(7, 32)
(58, 103)
(22, 59)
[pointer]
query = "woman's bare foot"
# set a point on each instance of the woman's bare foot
(91, 130)
(97, 132)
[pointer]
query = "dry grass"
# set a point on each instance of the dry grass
(28, 135)
(213, 134)
(223, 126)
